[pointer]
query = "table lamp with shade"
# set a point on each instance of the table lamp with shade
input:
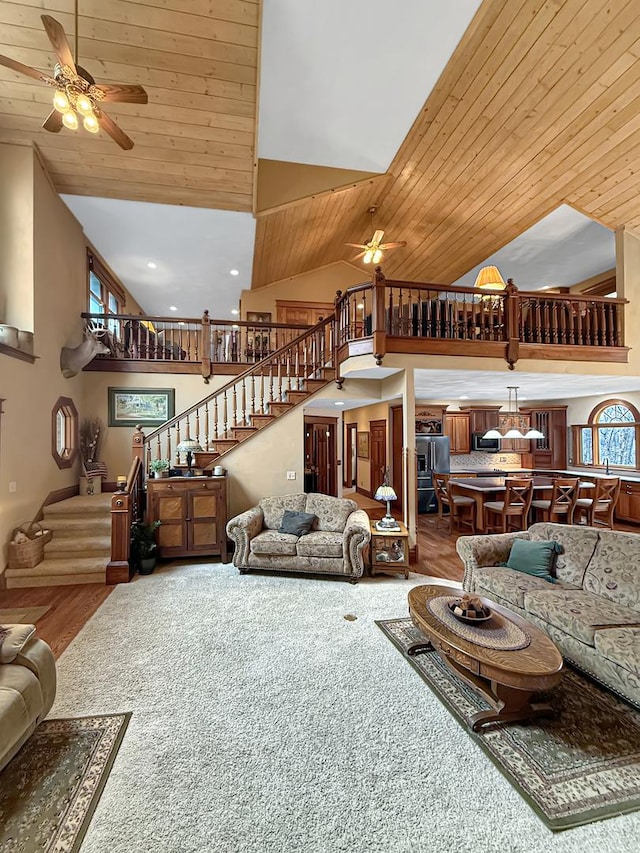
(386, 492)
(189, 446)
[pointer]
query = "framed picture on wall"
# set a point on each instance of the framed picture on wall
(146, 406)
(363, 445)
(258, 316)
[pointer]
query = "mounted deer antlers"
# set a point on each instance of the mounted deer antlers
(73, 359)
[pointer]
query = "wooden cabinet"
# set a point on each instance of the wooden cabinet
(456, 426)
(550, 451)
(193, 512)
(389, 551)
(483, 419)
(514, 445)
(628, 508)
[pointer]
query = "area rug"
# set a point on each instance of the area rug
(21, 615)
(583, 765)
(49, 790)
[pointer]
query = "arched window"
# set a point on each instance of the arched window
(610, 439)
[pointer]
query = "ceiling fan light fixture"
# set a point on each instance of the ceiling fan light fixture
(70, 120)
(377, 256)
(90, 123)
(83, 105)
(368, 256)
(60, 101)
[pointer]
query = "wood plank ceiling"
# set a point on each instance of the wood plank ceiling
(194, 140)
(539, 105)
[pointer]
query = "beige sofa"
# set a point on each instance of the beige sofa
(592, 612)
(334, 545)
(27, 686)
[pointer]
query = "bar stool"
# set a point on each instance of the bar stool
(514, 509)
(560, 507)
(599, 509)
(458, 505)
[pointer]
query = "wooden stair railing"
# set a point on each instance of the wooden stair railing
(126, 507)
(249, 402)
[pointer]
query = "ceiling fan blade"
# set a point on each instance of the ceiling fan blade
(53, 122)
(123, 93)
(377, 237)
(395, 245)
(109, 126)
(358, 256)
(26, 69)
(356, 245)
(58, 40)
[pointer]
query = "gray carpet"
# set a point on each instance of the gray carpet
(265, 722)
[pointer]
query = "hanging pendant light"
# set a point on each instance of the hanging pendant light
(514, 421)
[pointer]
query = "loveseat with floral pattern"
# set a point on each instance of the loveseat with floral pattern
(591, 610)
(338, 533)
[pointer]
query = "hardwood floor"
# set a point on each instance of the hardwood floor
(69, 608)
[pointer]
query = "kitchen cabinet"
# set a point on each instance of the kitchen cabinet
(628, 508)
(193, 515)
(514, 445)
(550, 451)
(483, 419)
(456, 426)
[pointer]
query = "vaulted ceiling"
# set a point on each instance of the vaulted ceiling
(537, 106)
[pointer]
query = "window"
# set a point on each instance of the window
(64, 432)
(610, 439)
(106, 295)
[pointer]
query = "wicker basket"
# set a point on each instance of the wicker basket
(26, 555)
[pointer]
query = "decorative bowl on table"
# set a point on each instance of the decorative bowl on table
(470, 609)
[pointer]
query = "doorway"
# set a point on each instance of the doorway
(378, 453)
(320, 468)
(350, 456)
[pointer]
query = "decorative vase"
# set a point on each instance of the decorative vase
(147, 565)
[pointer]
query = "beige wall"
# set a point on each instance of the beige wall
(31, 390)
(320, 285)
(16, 236)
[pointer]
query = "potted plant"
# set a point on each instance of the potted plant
(160, 467)
(143, 546)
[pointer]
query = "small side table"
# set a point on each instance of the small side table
(389, 550)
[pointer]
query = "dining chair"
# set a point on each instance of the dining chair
(461, 509)
(599, 509)
(512, 512)
(561, 505)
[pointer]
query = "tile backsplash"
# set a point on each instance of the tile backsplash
(477, 459)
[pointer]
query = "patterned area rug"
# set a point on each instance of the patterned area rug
(50, 789)
(581, 766)
(21, 615)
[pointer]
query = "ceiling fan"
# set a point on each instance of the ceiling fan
(77, 93)
(373, 250)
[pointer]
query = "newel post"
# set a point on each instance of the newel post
(137, 445)
(205, 346)
(118, 570)
(512, 323)
(378, 316)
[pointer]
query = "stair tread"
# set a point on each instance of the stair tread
(50, 566)
(85, 504)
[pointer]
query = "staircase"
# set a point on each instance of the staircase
(251, 401)
(79, 549)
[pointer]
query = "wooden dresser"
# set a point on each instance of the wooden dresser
(193, 512)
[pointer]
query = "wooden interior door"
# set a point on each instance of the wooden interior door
(377, 452)
(321, 470)
(350, 457)
(305, 313)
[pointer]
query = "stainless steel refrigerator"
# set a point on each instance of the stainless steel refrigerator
(432, 453)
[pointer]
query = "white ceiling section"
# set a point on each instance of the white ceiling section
(342, 82)
(564, 248)
(478, 386)
(193, 249)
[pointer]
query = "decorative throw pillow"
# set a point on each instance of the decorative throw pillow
(534, 558)
(13, 638)
(296, 523)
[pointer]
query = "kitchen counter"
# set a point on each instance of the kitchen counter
(570, 472)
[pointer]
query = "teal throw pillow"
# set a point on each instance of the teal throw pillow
(534, 558)
(296, 523)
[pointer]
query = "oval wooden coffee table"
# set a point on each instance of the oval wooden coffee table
(506, 678)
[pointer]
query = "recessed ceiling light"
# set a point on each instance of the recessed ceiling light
(463, 397)
(172, 308)
(181, 322)
(151, 265)
(361, 305)
(338, 403)
(235, 326)
(234, 272)
(234, 311)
